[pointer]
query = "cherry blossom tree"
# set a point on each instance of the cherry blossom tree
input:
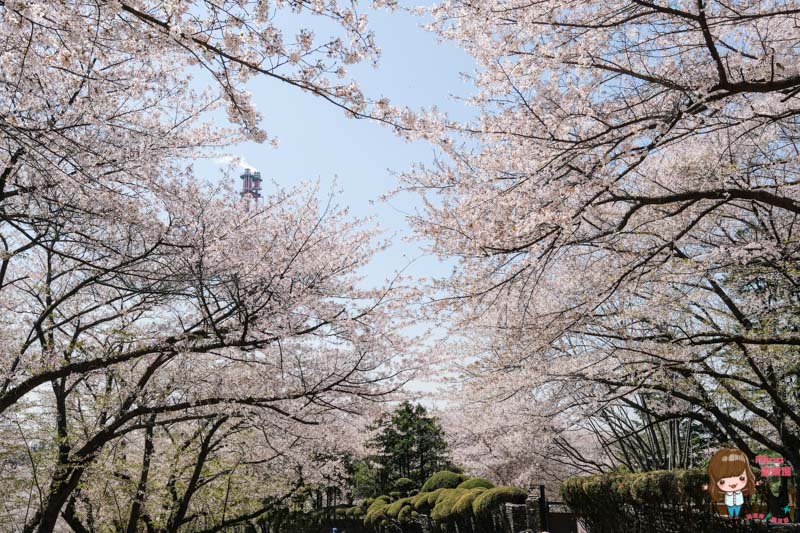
(260, 311)
(139, 299)
(206, 474)
(622, 210)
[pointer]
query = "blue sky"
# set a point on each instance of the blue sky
(318, 142)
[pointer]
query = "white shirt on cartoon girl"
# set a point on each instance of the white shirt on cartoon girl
(734, 498)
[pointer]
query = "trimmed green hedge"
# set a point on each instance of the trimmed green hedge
(635, 488)
(642, 501)
(376, 513)
(424, 501)
(489, 500)
(463, 506)
(448, 498)
(443, 480)
(354, 512)
(406, 515)
(442, 511)
(405, 486)
(476, 482)
(393, 509)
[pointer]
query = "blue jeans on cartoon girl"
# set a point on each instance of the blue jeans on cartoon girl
(733, 510)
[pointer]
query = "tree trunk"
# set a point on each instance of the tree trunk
(141, 489)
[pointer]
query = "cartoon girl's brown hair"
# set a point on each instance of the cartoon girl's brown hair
(729, 462)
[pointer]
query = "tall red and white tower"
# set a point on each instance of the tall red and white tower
(251, 184)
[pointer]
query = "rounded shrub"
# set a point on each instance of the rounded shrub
(475, 482)
(393, 509)
(375, 516)
(424, 501)
(380, 500)
(442, 511)
(405, 486)
(463, 507)
(354, 512)
(444, 479)
(405, 515)
(376, 512)
(418, 499)
(488, 501)
(571, 489)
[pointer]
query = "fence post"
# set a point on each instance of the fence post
(543, 518)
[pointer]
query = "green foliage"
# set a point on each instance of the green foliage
(376, 517)
(419, 501)
(634, 488)
(380, 501)
(444, 505)
(424, 501)
(393, 509)
(476, 482)
(639, 501)
(405, 485)
(406, 515)
(445, 479)
(489, 500)
(410, 444)
(463, 507)
(689, 484)
(364, 480)
(442, 511)
(354, 512)
(376, 513)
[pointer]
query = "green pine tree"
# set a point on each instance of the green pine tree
(410, 444)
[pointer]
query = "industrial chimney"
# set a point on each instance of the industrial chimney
(251, 184)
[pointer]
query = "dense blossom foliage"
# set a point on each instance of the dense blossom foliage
(163, 344)
(623, 214)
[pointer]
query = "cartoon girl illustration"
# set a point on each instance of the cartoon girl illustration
(730, 477)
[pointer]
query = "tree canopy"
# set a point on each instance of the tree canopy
(622, 218)
(619, 217)
(409, 444)
(162, 343)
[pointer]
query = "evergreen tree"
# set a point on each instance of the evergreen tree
(410, 444)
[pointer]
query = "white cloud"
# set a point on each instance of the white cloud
(238, 161)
